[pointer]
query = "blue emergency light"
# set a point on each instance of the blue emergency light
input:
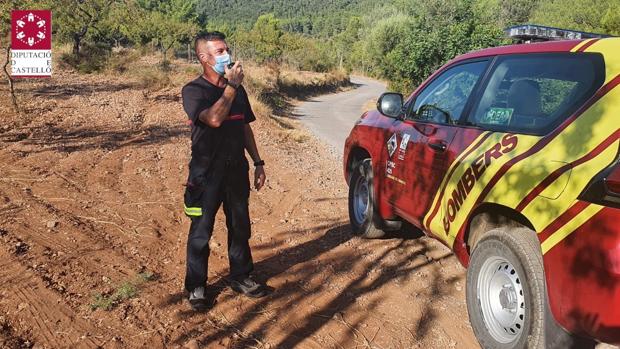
(535, 33)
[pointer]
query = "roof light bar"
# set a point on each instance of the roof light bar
(535, 33)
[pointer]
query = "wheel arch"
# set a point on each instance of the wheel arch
(483, 219)
(384, 219)
(356, 154)
(490, 216)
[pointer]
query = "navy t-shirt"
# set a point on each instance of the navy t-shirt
(216, 144)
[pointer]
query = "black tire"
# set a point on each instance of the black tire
(363, 225)
(510, 257)
(520, 247)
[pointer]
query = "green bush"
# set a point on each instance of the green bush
(153, 78)
(91, 59)
(405, 50)
(121, 60)
(126, 290)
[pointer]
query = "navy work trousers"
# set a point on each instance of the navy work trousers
(230, 186)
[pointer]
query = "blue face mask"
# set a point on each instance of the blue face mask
(220, 63)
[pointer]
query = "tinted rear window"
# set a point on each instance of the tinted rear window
(534, 93)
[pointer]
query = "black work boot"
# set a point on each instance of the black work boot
(250, 288)
(198, 300)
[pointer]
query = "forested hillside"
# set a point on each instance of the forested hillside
(312, 17)
(398, 40)
(326, 17)
(401, 41)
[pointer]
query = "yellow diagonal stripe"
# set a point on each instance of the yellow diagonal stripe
(436, 225)
(541, 212)
(583, 135)
(609, 48)
(580, 45)
(570, 227)
(456, 162)
(588, 131)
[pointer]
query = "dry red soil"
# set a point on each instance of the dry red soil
(91, 186)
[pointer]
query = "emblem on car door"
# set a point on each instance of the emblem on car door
(402, 149)
(392, 144)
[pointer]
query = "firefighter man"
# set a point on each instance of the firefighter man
(220, 114)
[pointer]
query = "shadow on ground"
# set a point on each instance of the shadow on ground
(407, 253)
(53, 138)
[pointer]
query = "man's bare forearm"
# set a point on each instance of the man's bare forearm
(250, 144)
(218, 113)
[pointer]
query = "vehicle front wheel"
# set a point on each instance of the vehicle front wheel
(361, 201)
(506, 290)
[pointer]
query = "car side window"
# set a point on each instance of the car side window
(444, 99)
(533, 93)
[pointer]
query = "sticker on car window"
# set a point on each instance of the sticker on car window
(498, 116)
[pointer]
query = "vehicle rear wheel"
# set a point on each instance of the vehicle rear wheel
(506, 290)
(362, 213)
(507, 297)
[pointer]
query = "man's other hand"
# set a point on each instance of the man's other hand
(259, 177)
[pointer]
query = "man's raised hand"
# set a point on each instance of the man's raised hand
(235, 74)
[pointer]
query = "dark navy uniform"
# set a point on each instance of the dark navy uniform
(218, 174)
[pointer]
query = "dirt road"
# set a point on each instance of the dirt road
(331, 117)
(92, 238)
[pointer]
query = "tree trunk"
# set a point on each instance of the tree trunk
(76, 44)
(165, 64)
(10, 78)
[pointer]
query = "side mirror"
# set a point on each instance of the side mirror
(390, 104)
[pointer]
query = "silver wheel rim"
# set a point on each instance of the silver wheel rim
(502, 301)
(360, 200)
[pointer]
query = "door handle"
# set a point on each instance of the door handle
(438, 146)
(427, 130)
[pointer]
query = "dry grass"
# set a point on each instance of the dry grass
(369, 105)
(266, 81)
(270, 90)
(152, 78)
(301, 84)
(299, 136)
(148, 74)
(259, 107)
(270, 87)
(259, 80)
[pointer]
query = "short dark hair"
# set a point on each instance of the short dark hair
(208, 36)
